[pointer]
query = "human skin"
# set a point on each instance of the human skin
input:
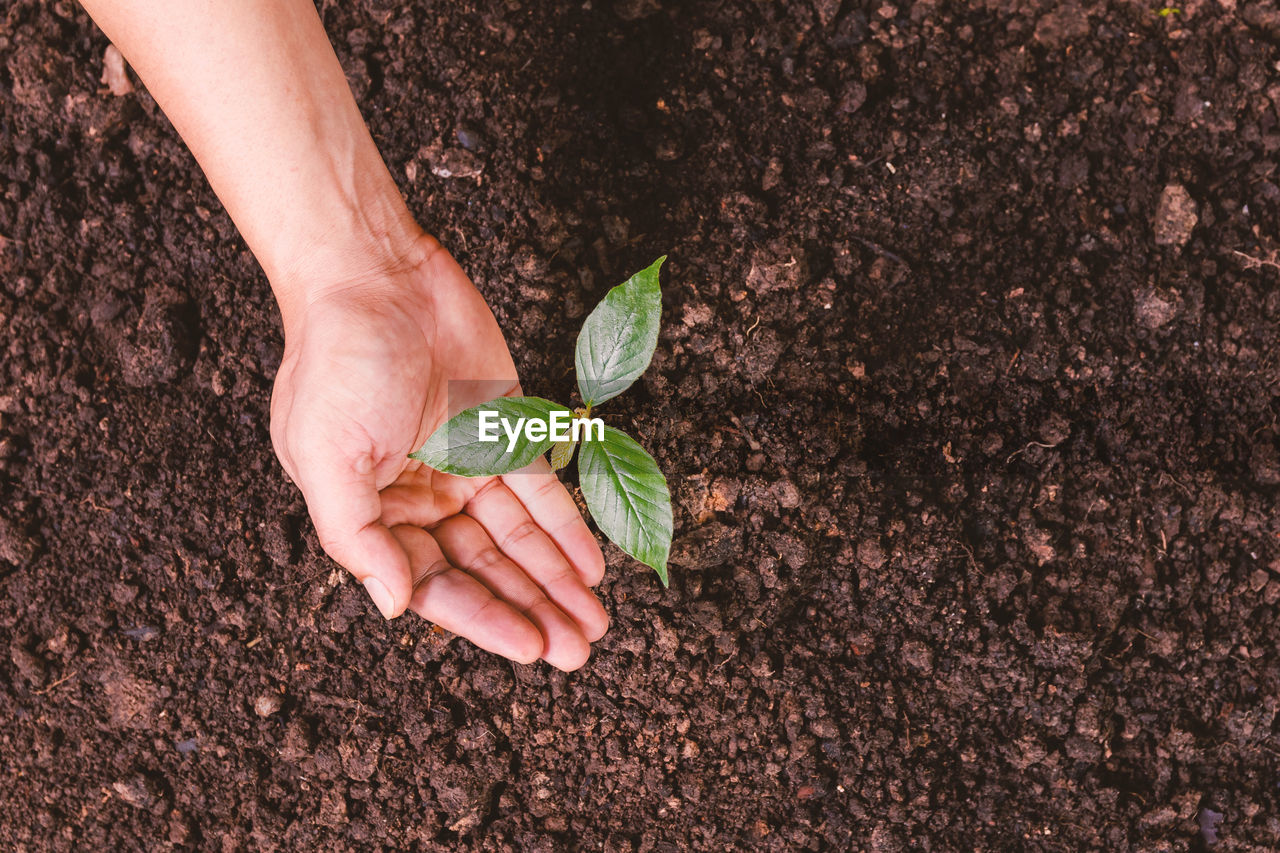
(378, 321)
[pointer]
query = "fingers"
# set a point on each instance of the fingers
(459, 603)
(342, 498)
(549, 505)
(466, 545)
(424, 499)
(516, 534)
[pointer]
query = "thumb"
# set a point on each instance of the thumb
(342, 497)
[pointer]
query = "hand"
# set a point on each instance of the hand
(506, 562)
(370, 347)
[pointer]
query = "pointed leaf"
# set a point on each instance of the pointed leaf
(619, 337)
(628, 497)
(456, 447)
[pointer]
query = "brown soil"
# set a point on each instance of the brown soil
(967, 392)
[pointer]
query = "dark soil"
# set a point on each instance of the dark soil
(967, 393)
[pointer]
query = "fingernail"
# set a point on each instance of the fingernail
(381, 596)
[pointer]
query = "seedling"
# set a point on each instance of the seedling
(625, 490)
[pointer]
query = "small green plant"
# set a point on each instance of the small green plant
(624, 488)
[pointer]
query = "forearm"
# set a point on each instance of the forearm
(257, 93)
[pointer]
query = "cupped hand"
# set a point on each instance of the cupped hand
(506, 562)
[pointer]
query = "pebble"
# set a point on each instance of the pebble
(469, 139)
(114, 75)
(1175, 216)
(139, 792)
(1153, 309)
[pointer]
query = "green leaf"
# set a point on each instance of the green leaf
(628, 497)
(456, 448)
(619, 337)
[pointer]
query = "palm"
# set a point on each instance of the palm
(369, 373)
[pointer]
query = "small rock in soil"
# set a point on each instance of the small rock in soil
(469, 138)
(787, 493)
(1209, 823)
(451, 162)
(854, 96)
(140, 792)
(1175, 216)
(1153, 309)
(267, 704)
(114, 75)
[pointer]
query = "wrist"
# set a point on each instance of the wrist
(363, 233)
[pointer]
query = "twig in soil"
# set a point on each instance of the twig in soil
(1172, 479)
(355, 718)
(88, 499)
(972, 561)
(1251, 263)
(1029, 445)
(61, 680)
(725, 661)
(751, 441)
